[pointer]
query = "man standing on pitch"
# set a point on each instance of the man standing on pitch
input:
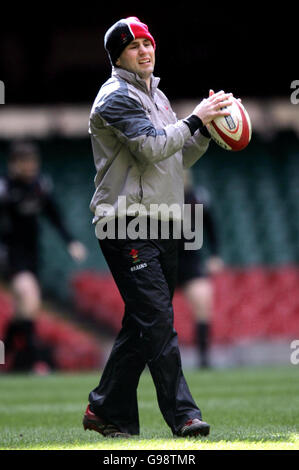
(140, 150)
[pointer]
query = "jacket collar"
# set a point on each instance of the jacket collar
(134, 79)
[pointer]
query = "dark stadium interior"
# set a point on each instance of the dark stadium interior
(49, 55)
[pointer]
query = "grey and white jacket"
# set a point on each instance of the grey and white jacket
(140, 148)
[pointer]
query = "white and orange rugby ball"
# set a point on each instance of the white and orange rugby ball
(232, 132)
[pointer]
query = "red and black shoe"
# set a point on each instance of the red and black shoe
(194, 427)
(95, 423)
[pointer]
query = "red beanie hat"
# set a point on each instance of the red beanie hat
(122, 33)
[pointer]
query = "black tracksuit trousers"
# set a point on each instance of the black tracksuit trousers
(145, 273)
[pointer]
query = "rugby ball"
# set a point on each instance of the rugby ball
(232, 132)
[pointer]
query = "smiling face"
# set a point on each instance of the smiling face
(138, 57)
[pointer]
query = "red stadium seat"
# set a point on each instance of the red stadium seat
(251, 303)
(73, 349)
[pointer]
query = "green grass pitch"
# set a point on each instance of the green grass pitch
(247, 408)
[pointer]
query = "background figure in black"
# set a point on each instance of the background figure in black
(25, 194)
(194, 272)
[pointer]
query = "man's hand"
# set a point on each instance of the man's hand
(210, 108)
(77, 251)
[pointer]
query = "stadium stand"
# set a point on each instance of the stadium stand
(73, 349)
(255, 303)
(255, 196)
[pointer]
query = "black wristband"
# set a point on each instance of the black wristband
(204, 131)
(194, 123)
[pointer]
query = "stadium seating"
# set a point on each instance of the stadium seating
(255, 201)
(254, 303)
(73, 348)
